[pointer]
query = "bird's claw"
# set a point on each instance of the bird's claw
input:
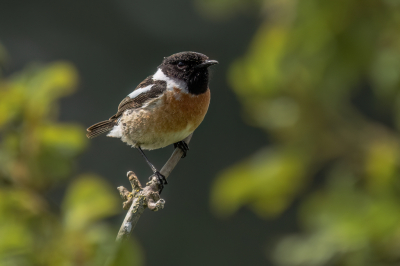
(161, 181)
(183, 146)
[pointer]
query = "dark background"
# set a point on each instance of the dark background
(114, 46)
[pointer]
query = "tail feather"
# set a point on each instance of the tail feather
(99, 128)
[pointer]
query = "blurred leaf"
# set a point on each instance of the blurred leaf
(44, 85)
(24, 219)
(381, 165)
(36, 153)
(267, 182)
(321, 78)
(11, 99)
(264, 56)
(88, 199)
(65, 138)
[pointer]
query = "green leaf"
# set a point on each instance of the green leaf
(268, 182)
(89, 199)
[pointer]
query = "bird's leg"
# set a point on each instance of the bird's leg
(161, 178)
(183, 146)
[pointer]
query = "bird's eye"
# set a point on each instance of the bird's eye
(181, 64)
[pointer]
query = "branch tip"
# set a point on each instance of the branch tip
(134, 180)
(140, 198)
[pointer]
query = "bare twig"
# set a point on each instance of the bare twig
(140, 198)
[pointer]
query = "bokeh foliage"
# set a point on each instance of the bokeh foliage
(321, 78)
(37, 153)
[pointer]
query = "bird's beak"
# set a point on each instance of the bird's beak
(207, 63)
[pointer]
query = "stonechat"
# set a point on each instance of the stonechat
(164, 108)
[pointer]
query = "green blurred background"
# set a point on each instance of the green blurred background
(296, 163)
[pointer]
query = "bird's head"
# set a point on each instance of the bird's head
(190, 67)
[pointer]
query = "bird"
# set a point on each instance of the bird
(164, 108)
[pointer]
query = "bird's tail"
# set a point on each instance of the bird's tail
(100, 128)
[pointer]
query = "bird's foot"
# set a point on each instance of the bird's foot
(161, 181)
(183, 146)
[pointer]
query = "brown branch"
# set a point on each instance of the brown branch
(141, 198)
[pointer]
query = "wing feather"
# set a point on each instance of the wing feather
(156, 89)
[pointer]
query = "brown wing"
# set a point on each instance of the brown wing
(158, 88)
(148, 81)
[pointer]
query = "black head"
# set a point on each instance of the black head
(189, 67)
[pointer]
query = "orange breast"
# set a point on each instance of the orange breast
(166, 120)
(181, 110)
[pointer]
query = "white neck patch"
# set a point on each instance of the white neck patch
(171, 82)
